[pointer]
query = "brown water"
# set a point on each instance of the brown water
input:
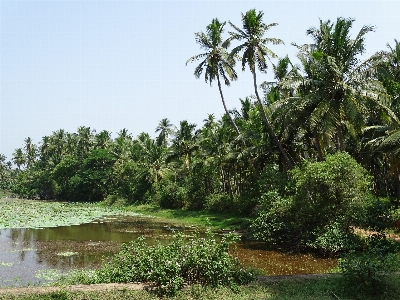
(30, 256)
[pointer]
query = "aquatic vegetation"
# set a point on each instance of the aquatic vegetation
(17, 213)
(49, 274)
(6, 264)
(68, 253)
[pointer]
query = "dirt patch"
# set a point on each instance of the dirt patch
(75, 288)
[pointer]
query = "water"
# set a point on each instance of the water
(36, 256)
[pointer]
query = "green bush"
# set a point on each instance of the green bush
(334, 238)
(274, 223)
(330, 197)
(192, 260)
(171, 195)
(219, 203)
(367, 269)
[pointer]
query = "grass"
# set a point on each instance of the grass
(199, 218)
(328, 288)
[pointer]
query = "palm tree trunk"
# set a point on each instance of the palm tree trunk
(226, 109)
(398, 188)
(320, 156)
(340, 138)
(277, 142)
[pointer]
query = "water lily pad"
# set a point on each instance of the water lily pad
(67, 253)
(6, 264)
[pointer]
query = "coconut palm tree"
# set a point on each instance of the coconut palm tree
(336, 90)
(184, 144)
(256, 54)
(164, 127)
(19, 158)
(342, 89)
(216, 61)
(103, 139)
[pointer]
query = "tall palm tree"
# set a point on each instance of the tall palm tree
(337, 90)
(256, 55)
(216, 60)
(164, 127)
(19, 158)
(30, 152)
(184, 143)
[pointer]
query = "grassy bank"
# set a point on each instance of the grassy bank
(199, 218)
(295, 289)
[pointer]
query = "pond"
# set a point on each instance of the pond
(31, 256)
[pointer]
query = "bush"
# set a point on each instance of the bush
(218, 203)
(274, 223)
(171, 195)
(329, 198)
(367, 269)
(195, 260)
(334, 238)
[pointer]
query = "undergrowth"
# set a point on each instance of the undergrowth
(183, 261)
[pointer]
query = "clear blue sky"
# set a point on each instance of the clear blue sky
(121, 64)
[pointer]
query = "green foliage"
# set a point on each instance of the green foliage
(218, 203)
(274, 223)
(334, 238)
(366, 270)
(330, 197)
(192, 260)
(172, 195)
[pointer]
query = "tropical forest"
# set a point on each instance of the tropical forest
(310, 163)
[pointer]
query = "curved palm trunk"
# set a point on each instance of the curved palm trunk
(277, 142)
(226, 110)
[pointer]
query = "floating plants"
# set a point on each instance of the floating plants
(17, 213)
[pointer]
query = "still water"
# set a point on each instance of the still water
(36, 256)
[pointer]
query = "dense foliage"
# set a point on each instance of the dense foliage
(183, 261)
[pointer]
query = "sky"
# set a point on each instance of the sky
(118, 64)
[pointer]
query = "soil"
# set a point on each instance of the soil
(75, 288)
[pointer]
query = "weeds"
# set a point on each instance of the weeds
(169, 267)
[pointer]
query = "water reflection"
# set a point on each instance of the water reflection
(26, 252)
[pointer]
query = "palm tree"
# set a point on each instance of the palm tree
(256, 53)
(216, 60)
(389, 72)
(19, 158)
(337, 90)
(84, 140)
(103, 139)
(164, 127)
(184, 143)
(30, 152)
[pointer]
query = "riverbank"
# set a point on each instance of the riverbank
(198, 218)
(322, 287)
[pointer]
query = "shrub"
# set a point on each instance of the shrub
(367, 269)
(274, 223)
(329, 198)
(334, 238)
(219, 203)
(194, 260)
(171, 195)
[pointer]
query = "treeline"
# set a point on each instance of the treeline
(311, 154)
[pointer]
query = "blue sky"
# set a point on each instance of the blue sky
(117, 64)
